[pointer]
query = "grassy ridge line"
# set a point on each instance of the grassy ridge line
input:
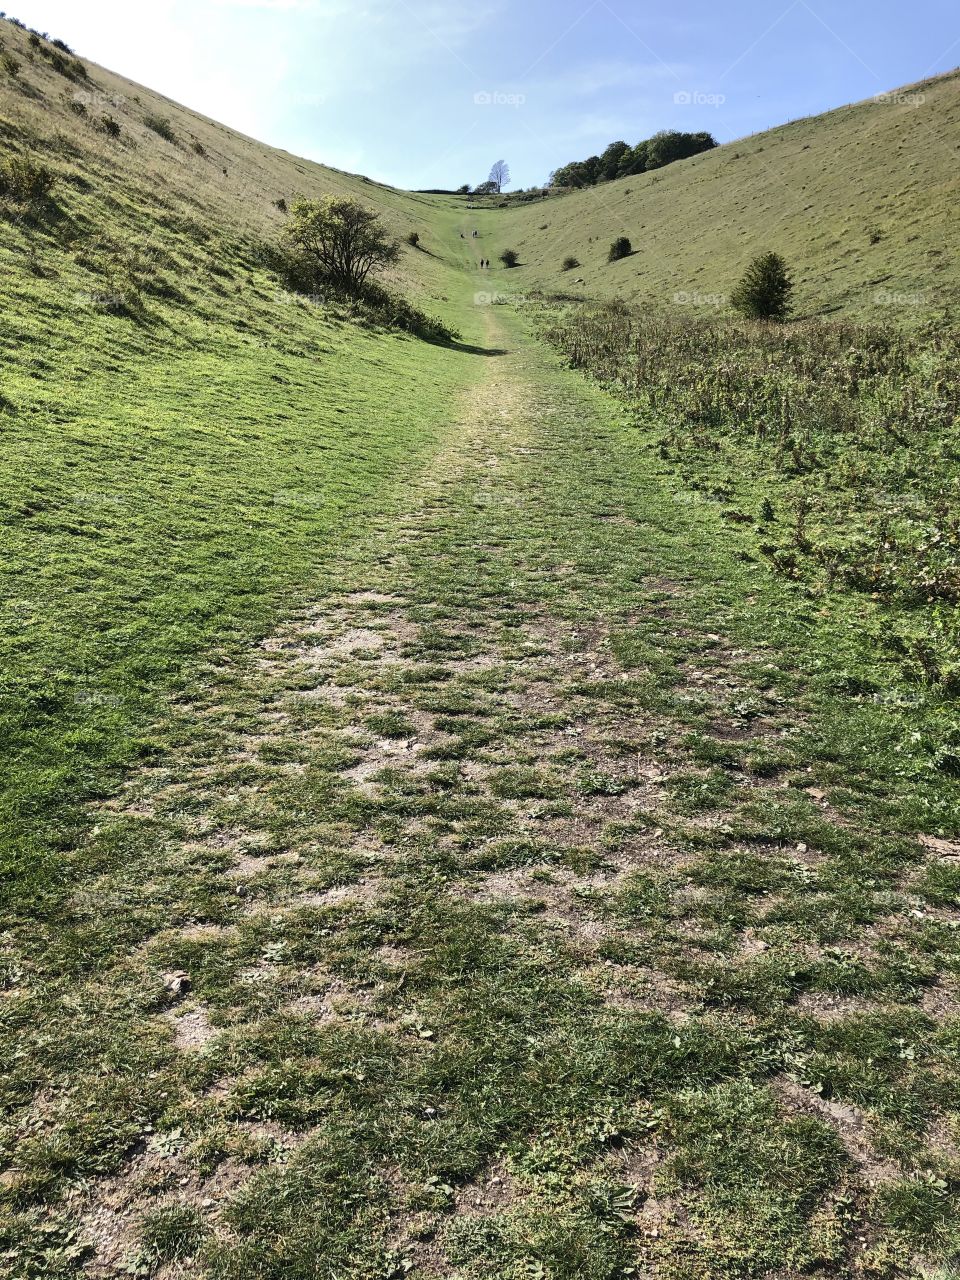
(860, 201)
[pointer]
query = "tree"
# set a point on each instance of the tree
(611, 160)
(764, 292)
(635, 161)
(668, 146)
(500, 176)
(337, 241)
(485, 189)
(621, 248)
(591, 168)
(571, 175)
(464, 190)
(509, 257)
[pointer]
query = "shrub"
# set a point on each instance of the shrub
(109, 126)
(197, 147)
(621, 248)
(161, 126)
(389, 308)
(280, 204)
(764, 292)
(510, 258)
(414, 239)
(10, 65)
(78, 108)
(34, 41)
(336, 241)
(570, 264)
(25, 181)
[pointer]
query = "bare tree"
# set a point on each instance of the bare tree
(500, 175)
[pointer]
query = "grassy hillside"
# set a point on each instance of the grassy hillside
(183, 443)
(862, 202)
(431, 840)
(196, 189)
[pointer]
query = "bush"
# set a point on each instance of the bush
(280, 204)
(570, 264)
(389, 308)
(109, 126)
(72, 68)
(24, 181)
(621, 248)
(198, 148)
(10, 65)
(371, 304)
(161, 126)
(414, 239)
(336, 241)
(78, 108)
(510, 258)
(764, 292)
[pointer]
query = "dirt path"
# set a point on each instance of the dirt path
(486, 924)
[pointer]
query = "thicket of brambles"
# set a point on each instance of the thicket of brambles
(839, 441)
(620, 160)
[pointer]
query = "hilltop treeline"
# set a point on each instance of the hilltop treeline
(620, 160)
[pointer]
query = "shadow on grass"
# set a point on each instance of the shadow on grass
(471, 350)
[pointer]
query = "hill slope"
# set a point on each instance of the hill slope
(430, 842)
(182, 441)
(862, 201)
(197, 188)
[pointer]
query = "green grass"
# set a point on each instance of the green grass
(436, 842)
(857, 200)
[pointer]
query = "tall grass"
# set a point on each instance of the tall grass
(839, 441)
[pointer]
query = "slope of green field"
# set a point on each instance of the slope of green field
(181, 439)
(862, 202)
(431, 841)
(197, 190)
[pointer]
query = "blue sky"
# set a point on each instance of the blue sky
(425, 93)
